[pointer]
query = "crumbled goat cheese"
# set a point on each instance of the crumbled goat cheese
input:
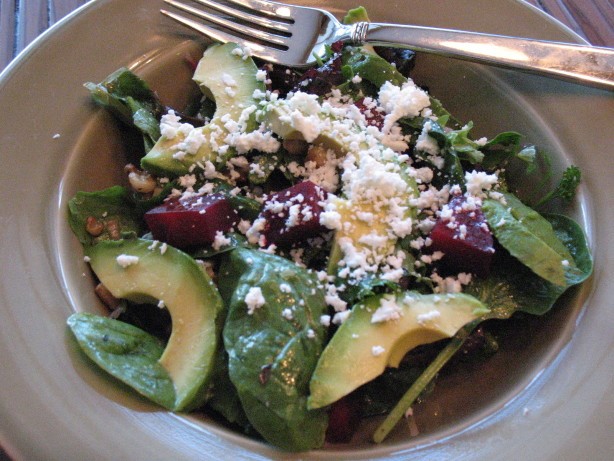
(220, 241)
(254, 299)
(377, 351)
(325, 320)
(125, 260)
(427, 317)
(388, 310)
(479, 181)
(407, 100)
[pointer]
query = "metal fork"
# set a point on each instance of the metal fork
(294, 35)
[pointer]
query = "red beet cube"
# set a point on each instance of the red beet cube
(343, 420)
(373, 116)
(293, 214)
(184, 223)
(464, 238)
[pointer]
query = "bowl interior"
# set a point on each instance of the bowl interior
(464, 396)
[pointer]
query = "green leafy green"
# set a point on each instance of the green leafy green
(111, 208)
(274, 349)
(372, 68)
(248, 208)
(465, 147)
(223, 396)
(566, 189)
(358, 14)
(366, 287)
(127, 353)
(512, 287)
(129, 97)
(529, 238)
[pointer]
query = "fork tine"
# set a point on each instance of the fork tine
(251, 18)
(261, 51)
(276, 10)
(240, 28)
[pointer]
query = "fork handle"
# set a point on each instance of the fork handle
(589, 65)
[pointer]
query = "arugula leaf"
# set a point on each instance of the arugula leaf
(111, 208)
(127, 353)
(131, 99)
(274, 350)
(365, 288)
(465, 148)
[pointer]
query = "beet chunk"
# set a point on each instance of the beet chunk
(293, 214)
(321, 80)
(343, 420)
(464, 238)
(185, 223)
(282, 79)
(373, 116)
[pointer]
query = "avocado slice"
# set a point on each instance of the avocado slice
(144, 271)
(230, 79)
(280, 117)
(379, 332)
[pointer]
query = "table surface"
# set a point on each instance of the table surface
(21, 21)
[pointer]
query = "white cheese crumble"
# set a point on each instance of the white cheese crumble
(479, 181)
(220, 241)
(427, 317)
(254, 300)
(325, 320)
(407, 100)
(388, 310)
(377, 351)
(125, 260)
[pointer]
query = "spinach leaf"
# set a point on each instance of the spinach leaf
(371, 67)
(131, 99)
(113, 209)
(127, 353)
(223, 396)
(572, 236)
(274, 349)
(514, 287)
(529, 237)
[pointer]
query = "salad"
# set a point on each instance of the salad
(300, 249)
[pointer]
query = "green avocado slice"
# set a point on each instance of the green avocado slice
(230, 79)
(144, 271)
(379, 332)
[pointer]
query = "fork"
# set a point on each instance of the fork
(294, 35)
